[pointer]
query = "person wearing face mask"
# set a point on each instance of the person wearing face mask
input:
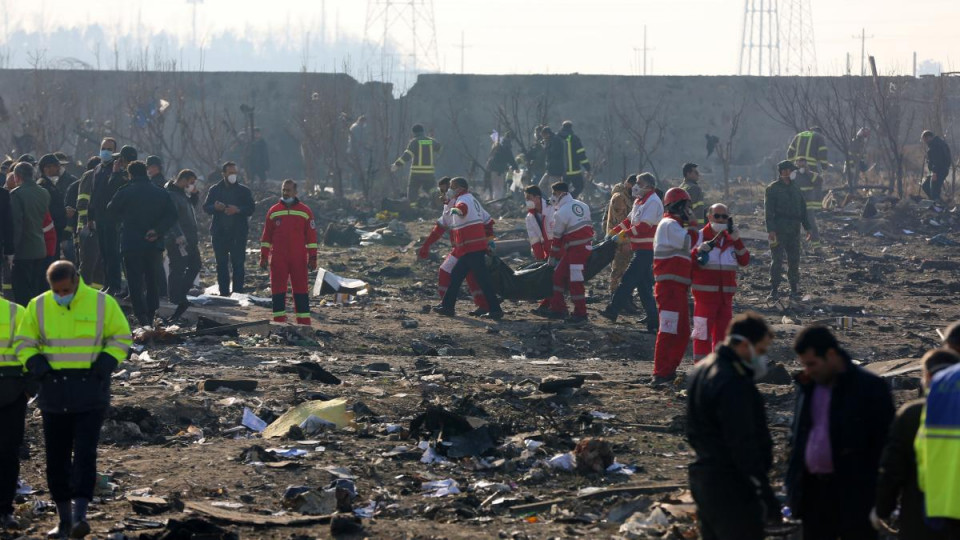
(182, 241)
(621, 201)
(69, 185)
(109, 177)
(49, 180)
(88, 243)
(898, 477)
(144, 214)
(811, 185)
(785, 211)
(727, 429)
(289, 246)
(443, 274)
(70, 340)
(28, 203)
(539, 222)
(471, 233)
(672, 274)
(572, 239)
(231, 205)
(639, 228)
(841, 421)
(719, 251)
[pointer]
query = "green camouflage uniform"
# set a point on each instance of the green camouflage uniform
(786, 211)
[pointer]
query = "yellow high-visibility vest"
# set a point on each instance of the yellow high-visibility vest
(10, 315)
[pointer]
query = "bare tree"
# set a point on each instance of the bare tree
(520, 113)
(324, 125)
(896, 121)
(644, 125)
(725, 147)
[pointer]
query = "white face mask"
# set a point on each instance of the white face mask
(54, 179)
(760, 364)
(636, 190)
(451, 194)
(793, 175)
(531, 205)
(803, 169)
(232, 178)
(718, 227)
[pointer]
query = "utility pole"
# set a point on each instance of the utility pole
(194, 27)
(644, 50)
(863, 50)
(463, 47)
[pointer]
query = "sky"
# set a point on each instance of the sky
(684, 37)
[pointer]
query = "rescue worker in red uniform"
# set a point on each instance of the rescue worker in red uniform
(289, 243)
(672, 269)
(443, 275)
(719, 251)
(539, 220)
(471, 234)
(572, 232)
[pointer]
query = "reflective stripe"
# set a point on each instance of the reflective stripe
(579, 242)
(705, 288)
(303, 315)
(266, 244)
(83, 197)
(672, 277)
(697, 205)
(48, 228)
(312, 246)
(67, 357)
(9, 356)
(279, 313)
(281, 213)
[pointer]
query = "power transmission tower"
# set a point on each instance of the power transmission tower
(193, 35)
(760, 41)
(799, 55)
(407, 23)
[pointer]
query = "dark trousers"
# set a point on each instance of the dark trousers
(71, 443)
(29, 279)
(6, 276)
(183, 272)
(143, 281)
(230, 252)
(420, 183)
(110, 253)
(11, 426)
(931, 188)
(826, 516)
(727, 508)
(639, 275)
(787, 247)
(575, 181)
(474, 262)
(161, 278)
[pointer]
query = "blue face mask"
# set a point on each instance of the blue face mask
(287, 200)
(106, 155)
(63, 300)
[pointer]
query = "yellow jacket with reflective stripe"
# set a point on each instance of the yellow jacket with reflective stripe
(72, 337)
(810, 145)
(937, 446)
(422, 153)
(10, 316)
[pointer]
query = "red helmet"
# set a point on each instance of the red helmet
(675, 195)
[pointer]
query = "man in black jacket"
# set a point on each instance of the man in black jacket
(898, 463)
(552, 158)
(727, 428)
(231, 205)
(6, 241)
(939, 162)
(182, 240)
(68, 184)
(840, 425)
(49, 180)
(108, 178)
(144, 213)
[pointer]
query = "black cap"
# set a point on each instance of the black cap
(561, 187)
(417, 128)
(154, 160)
(62, 158)
(28, 158)
(786, 165)
(689, 166)
(48, 159)
(127, 153)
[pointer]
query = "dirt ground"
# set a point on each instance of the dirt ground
(166, 438)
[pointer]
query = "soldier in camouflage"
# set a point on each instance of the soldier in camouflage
(786, 211)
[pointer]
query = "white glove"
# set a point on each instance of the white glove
(704, 247)
(875, 520)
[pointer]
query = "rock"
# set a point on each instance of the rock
(409, 323)
(776, 374)
(344, 524)
(341, 235)
(148, 506)
(593, 455)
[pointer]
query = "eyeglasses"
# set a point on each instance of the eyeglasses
(720, 216)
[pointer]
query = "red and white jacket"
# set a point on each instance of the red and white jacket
(471, 227)
(571, 226)
(539, 230)
(671, 252)
(719, 275)
(641, 224)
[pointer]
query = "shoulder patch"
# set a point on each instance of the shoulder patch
(577, 210)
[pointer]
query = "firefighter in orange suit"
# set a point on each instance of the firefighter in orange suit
(289, 243)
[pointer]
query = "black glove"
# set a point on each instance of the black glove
(38, 366)
(104, 365)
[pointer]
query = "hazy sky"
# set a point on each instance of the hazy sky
(538, 36)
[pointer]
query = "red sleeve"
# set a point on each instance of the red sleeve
(435, 235)
(488, 228)
(462, 207)
(310, 235)
(266, 239)
(642, 229)
(622, 226)
(49, 235)
(539, 253)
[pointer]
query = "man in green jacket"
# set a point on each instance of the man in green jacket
(28, 206)
(786, 212)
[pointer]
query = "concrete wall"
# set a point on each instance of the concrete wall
(460, 110)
